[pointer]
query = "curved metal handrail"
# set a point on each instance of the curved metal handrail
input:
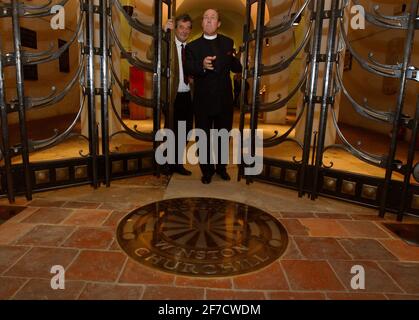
(278, 140)
(38, 145)
(379, 161)
(51, 99)
(364, 110)
(136, 134)
(144, 102)
(133, 22)
(282, 65)
(373, 69)
(382, 65)
(278, 104)
(380, 20)
(43, 13)
(284, 26)
(28, 54)
(57, 53)
(36, 7)
(132, 60)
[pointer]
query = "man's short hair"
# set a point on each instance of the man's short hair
(216, 10)
(184, 18)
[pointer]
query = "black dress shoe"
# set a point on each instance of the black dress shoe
(206, 179)
(224, 175)
(181, 170)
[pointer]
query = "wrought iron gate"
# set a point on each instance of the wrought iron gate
(310, 175)
(100, 164)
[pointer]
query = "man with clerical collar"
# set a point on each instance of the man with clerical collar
(210, 59)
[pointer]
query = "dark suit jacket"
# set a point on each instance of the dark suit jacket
(213, 93)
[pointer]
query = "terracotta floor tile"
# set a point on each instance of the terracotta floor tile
(402, 296)
(81, 205)
(9, 286)
(296, 296)
(10, 232)
(405, 274)
(214, 294)
(48, 216)
(311, 275)
(402, 250)
(331, 215)
(23, 215)
(96, 291)
(262, 279)
(120, 206)
(9, 255)
(144, 181)
(85, 217)
(96, 266)
(223, 283)
(292, 252)
(114, 219)
(46, 235)
(376, 280)
(366, 229)
(324, 228)
(355, 296)
(37, 262)
(46, 203)
(294, 227)
(19, 201)
(371, 217)
(135, 273)
(321, 248)
(173, 293)
(39, 289)
(115, 246)
(90, 238)
(366, 249)
(297, 214)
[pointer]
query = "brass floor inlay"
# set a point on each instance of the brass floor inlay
(202, 237)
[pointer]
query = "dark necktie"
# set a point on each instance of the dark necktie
(183, 53)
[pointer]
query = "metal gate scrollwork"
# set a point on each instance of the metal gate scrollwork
(99, 164)
(310, 175)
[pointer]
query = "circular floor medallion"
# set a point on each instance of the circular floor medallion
(202, 237)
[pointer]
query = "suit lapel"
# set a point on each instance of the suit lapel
(176, 71)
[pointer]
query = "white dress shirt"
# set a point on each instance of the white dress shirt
(183, 87)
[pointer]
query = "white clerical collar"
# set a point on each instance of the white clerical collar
(178, 42)
(210, 37)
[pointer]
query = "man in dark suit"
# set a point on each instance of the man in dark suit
(181, 90)
(210, 59)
